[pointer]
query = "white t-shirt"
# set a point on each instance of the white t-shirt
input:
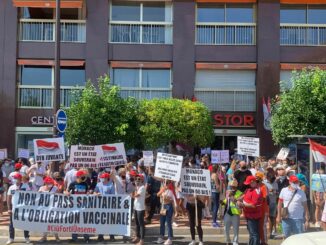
(296, 208)
(120, 187)
(35, 179)
(70, 176)
(23, 170)
(139, 204)
(54, 189)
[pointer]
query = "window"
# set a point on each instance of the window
(143, 83)
(226, 90)
(226, 24)
(303, 25)
(35, 85)
(134, 22)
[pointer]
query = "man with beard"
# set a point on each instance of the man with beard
(241, 174)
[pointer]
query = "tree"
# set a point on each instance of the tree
(100, 116)
(300, 110)
(163, 121)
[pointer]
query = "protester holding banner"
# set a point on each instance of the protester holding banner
(11, 191)
(153, 187)
(17, 167)
(215, 197)
(139, 207)
(168, 204)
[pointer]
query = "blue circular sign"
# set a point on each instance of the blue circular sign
(61, 120)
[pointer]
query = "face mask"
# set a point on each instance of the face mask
(50, 186)
(7, 164)
(282, 178)
(102, 180)
(14, 181)
(295, 186)
(243, 167)
(107, 169)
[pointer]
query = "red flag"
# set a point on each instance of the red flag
(47, 145)
(318, 151)
(109, 148)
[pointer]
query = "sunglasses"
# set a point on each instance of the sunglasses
(138, 179)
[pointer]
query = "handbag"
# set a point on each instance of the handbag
(285, 210)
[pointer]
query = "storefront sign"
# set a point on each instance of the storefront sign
(42, 120)
(246, 120)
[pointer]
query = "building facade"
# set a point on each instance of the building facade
(229, 54)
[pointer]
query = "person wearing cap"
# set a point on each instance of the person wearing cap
(48, 187)
(139, 207)
(58, 182)
(79, 187)
(265, 209)
(303, 183)
(281, 179)
(104, 187)
(11, 191)
(232, 212)
(17, 168)
(241, 174)
(252, 204)
(295, 200)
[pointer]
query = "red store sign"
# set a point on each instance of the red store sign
(238, 120)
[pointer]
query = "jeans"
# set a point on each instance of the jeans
(215, 205)
(233, 220)
(155, 202)
(168, 219)
(292, 227)
(192, 220)
(253, 228)
(12, 230)
(75, 237)
(140, 224)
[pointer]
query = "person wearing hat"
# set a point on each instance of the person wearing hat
(104, 187)
(58, 182)
(79, 187)
(252, 203)
(232, 212)
(265, 209)
(295, 201)
(139, 207)
(17, 168)
(281, 179)
(48, 187)
(303, 183)
(11, 191)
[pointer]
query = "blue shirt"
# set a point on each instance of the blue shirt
(105, 189)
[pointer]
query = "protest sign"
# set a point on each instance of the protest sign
(196, 181)
(220, 156)
(148, 158)
(204, 151)
(168, 166)
(23, 153)
(248, 146)
(79, 214)
(111, 155)
(83, 156)
(318, 182)
(50, 149)
(283, 154)
(3, 154)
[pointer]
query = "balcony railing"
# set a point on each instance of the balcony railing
(44, 30)
(303, 34)
(140, 32)
(226, 33)
(146, 93)
(42, 96)
(227, 100)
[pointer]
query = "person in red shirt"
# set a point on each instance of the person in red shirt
(252, 204)
(264, 210)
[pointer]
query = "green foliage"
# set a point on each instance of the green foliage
(165, 120)
(100, 116)
(301, 110)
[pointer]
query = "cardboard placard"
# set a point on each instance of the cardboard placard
(168, 166)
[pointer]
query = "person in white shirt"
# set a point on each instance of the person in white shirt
(139, 207)
(48, 187)
(36, 173)
(11, 191)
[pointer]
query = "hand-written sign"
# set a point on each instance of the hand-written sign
(220, 156)
(318, 182)
(248, 146)
(148, 158)
(168, 166)
(50, 149)
(80, 214)
(83, 156)
(195, 181)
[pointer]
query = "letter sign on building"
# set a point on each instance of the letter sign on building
(238, 120)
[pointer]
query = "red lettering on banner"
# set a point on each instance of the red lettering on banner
(234, 120)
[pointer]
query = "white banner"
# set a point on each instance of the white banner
(204, 151)
(111, 155)
(83, 156)
(80, 214)
(196, 181)
(168, 166)
(3, 153)
(50, 149)
(148, 158)
(23, 153)
(248, 146)
(218, 157)
(283, 154)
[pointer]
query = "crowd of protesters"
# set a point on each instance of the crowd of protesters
(260, 191)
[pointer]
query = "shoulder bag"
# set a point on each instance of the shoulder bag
(285, 210)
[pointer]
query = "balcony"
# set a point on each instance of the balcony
(140, 32)
(146, 93)
(227, 100)
(42, 96)
(226, 33)
(303, 34)
(44, 30)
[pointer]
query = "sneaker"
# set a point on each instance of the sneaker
(10, 241)
(159, 240)
(271, 236)
(27, 241)
(317, 224)
(175, 224)
(193, 242)
(200, 243)
(215, 225)
(168, 242)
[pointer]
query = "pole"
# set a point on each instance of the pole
(56, 97)
(196, 210)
